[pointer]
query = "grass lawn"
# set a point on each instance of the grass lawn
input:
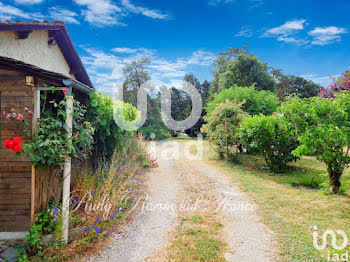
(291, 203)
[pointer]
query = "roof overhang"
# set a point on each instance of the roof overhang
(58, 31)
(52, 77)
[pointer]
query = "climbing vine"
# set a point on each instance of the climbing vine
(50, 146)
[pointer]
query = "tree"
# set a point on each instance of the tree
(254, 102)
(322, 126)
(341, 84)
(179, 110)
(290, 84)
(205, 92)
(135, 74)
(190, 78)
(306, 88)
(238, 67)
(268, 136)
(222, 125)
(181, 104)
(154, 123)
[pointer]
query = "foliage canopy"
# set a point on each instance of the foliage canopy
(322, 127)
(269, 136)
(254, 102)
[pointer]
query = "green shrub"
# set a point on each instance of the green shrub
(46, 222)
(161, 132)
(269, 136)
(322, 127)
(107, 133)
(255, 102)
(222, 125)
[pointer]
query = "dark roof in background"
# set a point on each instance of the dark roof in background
(58, 31)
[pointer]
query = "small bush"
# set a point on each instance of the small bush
(160, 132)
(268, 136)
(222, 125)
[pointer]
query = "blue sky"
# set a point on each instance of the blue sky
(308, 38)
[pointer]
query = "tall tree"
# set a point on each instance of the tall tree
(289, 84)
(205, 92)
(237, 66)
(193, 131)
(135, 74)
(181, 104)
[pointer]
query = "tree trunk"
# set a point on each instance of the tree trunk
(240, 148)
(334, 181)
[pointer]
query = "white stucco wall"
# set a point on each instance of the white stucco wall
(34, 50)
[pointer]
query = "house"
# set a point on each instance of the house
(33, 55)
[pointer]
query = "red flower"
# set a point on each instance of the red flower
(64, 90)
(17, 141)
(10, 144)
(17, 148)
(7, 142)
(78, 133)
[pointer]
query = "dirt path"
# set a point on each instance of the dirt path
(178, 181)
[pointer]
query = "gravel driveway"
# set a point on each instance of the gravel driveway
(247, 237)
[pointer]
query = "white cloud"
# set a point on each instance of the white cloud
(28, 2)
(162, 68)
(284, 32)
(127, 50)
(201, 58)
(98, 59)
(63, 15)
(106, 68)
(8, 12)
(292, 40)
(101, 12)
(326, 35)
(155, 14)
(217, 2)
(321, 80)
(320, 35)
(246, 31)
(286, 29)
(256, 3)
(107, 13)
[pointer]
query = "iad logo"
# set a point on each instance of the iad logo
(334, 239)
(334, 257)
